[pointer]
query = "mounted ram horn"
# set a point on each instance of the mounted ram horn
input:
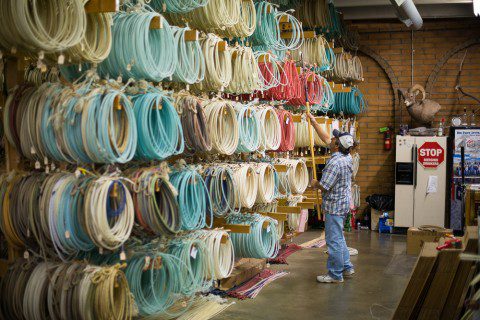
(423, 110)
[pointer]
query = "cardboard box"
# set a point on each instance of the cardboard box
(375, 216)
(416, 237)
(465, 273)
(245, 269)
(420, 280)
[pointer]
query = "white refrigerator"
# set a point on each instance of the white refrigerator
(420, 181)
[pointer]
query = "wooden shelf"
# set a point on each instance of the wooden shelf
(306, 205)
(102, 6)
(338, 50)
(306, 35)
(234, 228)
(291, 210)
(281, 167)
(318, 160)
(3, 267)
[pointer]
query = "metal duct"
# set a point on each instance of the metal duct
(408, 13)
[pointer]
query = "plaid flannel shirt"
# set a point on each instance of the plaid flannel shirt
(337, 181)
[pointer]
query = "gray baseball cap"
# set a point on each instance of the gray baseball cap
(345, 138)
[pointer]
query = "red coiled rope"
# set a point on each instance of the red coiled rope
(312, 88)
(290, 84)
(288, 130)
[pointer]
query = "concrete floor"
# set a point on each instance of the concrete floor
(382, 272)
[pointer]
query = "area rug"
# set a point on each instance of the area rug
(284, 253)
(315, 243)
(252, 287)
(206, 308)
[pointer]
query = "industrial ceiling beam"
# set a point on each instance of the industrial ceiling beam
(427, 11)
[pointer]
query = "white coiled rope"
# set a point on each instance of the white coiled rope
(246, 183)
(216, 15)
(270, 128)
(245, 72)
(265, 173)
(295, 180)
(108, 232)
(245, 25)
(315, 52)
(218, 64)
(220, 247)
(97, 42)
(40, 26)
(222, 126)
(302, 134)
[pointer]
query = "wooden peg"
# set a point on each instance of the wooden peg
(156, 23)
(264, 58)
(116, 103)
(102, 6)
(224, 238)
(191, 35)
(222, 46)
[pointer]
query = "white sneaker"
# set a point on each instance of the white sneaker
(328, 279)
(349, 273)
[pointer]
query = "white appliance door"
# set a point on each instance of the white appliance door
(404, 193)
(430, 186)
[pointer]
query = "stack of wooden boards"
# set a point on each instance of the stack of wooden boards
(439, 281)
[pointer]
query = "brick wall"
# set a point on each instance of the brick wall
(393, 42)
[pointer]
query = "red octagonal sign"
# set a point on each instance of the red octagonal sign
(431, 155)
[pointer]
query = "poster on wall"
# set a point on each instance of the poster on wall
(471, 139)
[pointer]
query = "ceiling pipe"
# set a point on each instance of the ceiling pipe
(407, 13)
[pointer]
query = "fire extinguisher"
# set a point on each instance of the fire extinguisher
(387, 138)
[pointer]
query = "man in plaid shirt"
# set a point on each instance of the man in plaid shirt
(336, 190)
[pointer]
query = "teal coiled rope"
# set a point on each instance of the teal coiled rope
(140, 52)
(248, 127)
(191, 62)
(192, 251)
(193, 198)
(160, 133)
(261, 242)
(156, 280)
(352, 102)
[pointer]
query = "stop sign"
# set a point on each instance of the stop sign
(431, 155)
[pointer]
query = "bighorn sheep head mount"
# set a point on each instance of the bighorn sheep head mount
(423, 110)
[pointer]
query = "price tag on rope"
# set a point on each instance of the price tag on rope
(193, 252)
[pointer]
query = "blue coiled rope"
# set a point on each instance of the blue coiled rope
(68, 235)
(101, 129)
(221, 187)
(248, 129)
(140, 52)
(349, 103)
(193, 198)
(160, 133)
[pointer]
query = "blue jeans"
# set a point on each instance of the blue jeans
(338, 255)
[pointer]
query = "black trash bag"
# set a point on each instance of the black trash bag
(381, 202)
